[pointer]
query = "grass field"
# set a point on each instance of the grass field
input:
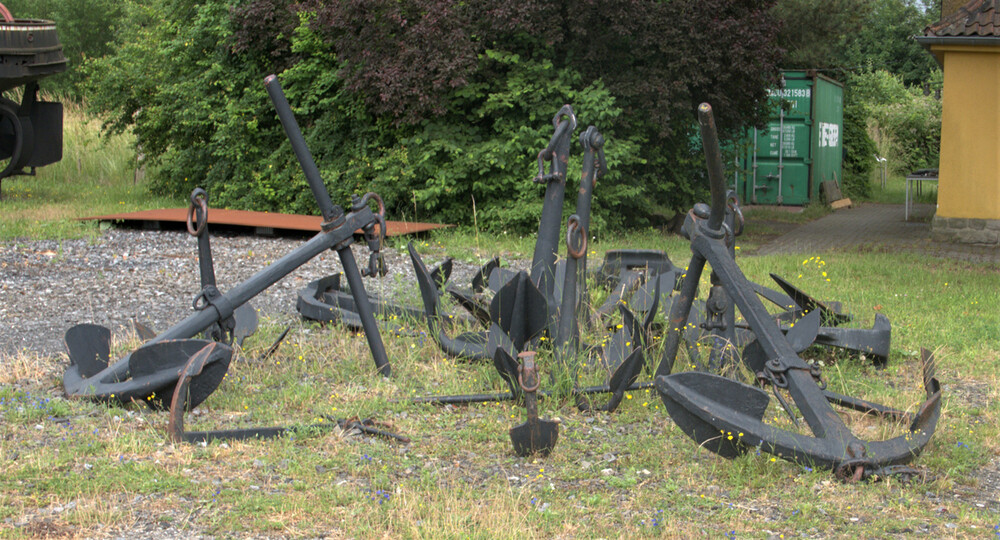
(78, 468)
(97, 175)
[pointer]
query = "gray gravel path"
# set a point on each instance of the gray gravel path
(46, 287)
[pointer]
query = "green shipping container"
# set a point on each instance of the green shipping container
(808, 113)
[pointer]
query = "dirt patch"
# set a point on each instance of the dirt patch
(760, 232)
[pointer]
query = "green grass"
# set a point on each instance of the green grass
(96, 176)
(73, 467)
(895, 191)
(458, 478)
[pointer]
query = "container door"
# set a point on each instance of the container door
(782, 163)
(778, 164)
(828, 129)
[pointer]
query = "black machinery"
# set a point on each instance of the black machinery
(30, 131)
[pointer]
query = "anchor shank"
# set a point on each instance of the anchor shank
(205, 266)
(566, 335)
(364, 310)
(268, 276)
(821, 417)
(543, 261)
(679, 312)
(594, 166)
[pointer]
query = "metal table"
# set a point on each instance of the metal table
(923, 175)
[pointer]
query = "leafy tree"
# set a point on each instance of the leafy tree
(885, 41)
(853, 35)
(904, 123)
(814, 32)
(435, 104)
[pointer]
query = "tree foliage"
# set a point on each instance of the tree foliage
(438, 105)
(814, 32)
(905, 123)
(856, 35)
(869, 45)
(885, 41)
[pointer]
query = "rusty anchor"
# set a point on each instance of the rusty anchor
(154, 367)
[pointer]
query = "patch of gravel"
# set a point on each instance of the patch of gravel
(48, 286)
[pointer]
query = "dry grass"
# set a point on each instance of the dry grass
(78, 468)
(28, 367)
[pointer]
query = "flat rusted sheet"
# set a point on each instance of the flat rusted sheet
(260, 221)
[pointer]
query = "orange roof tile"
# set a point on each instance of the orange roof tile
(978, 18)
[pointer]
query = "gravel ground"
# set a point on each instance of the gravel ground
(46, 287)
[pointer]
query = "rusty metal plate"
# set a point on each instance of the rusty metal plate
(261, 222)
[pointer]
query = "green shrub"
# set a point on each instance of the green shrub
(859, 149)
(904, 124)
(386, 107)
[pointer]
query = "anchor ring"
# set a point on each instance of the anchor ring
(199, 201)
(520, 380)
(379, 215)
(200, 302)
(378, 198)
(574, 228)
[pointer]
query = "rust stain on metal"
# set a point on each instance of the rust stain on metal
(266, 220)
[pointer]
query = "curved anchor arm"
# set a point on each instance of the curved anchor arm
(468, 345)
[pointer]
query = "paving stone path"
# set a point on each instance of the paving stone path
(877, 225)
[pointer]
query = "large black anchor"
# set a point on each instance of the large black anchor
(155, 367)
(623, 356)
(473, 345)
(726, 416)
(519, 312)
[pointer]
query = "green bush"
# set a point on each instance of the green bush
(904, 124)
(859, 149)
(187, 79)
